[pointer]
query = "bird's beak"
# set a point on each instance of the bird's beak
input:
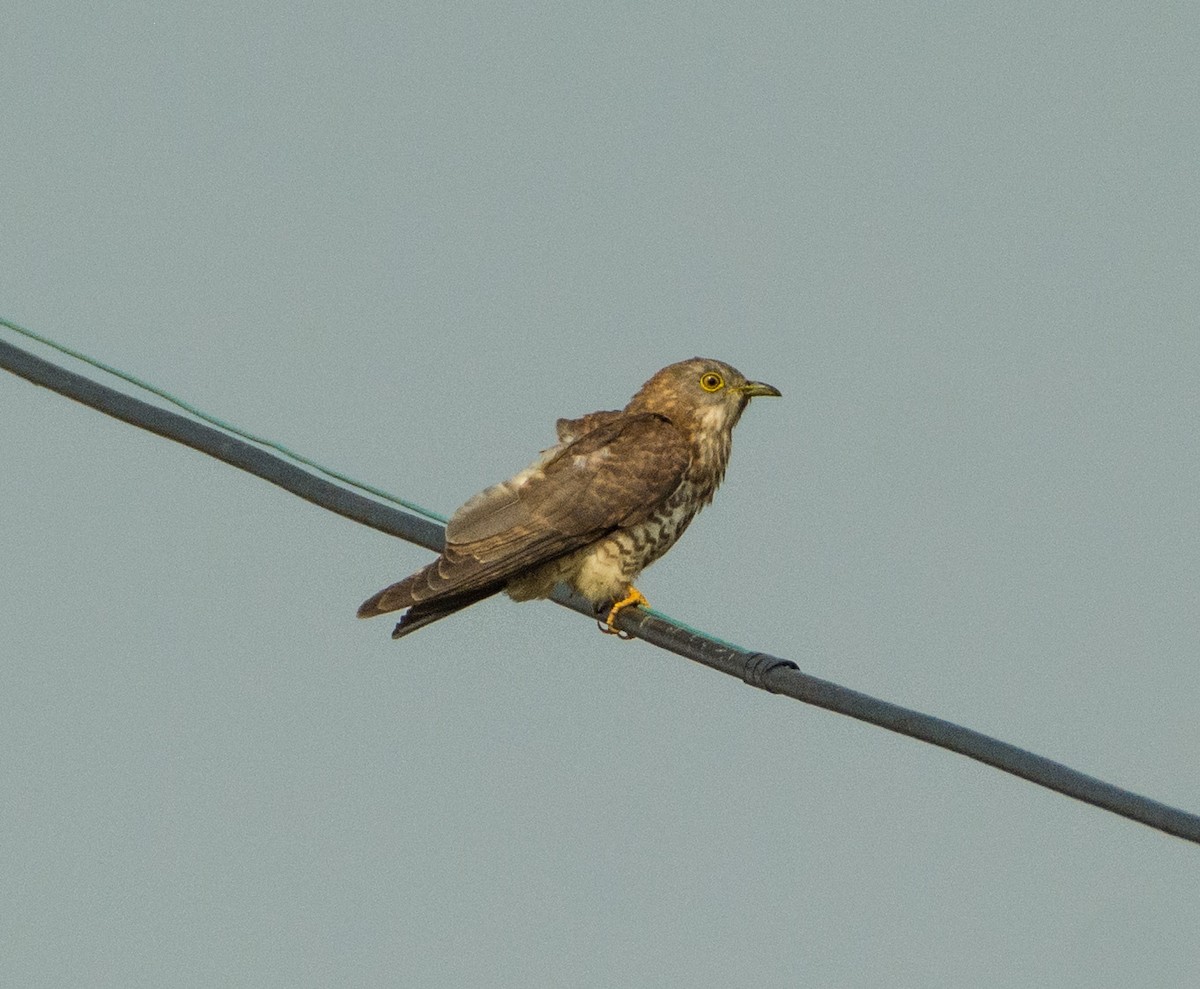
(757, 389)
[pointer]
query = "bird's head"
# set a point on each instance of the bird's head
(700, 394)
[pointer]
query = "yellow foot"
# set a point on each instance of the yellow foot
(632, 598)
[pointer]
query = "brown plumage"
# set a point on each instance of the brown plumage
(592, 511)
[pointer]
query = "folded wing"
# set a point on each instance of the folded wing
(611, 476)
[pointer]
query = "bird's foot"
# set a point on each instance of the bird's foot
(633, 598)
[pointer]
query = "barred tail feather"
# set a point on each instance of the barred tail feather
(391, 598)
(420, 615)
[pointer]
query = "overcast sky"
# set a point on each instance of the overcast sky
(962, 239)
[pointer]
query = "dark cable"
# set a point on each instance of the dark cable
(770, 673)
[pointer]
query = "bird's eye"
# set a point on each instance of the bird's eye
(711, 381)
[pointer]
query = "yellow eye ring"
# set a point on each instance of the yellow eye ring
(711, 381)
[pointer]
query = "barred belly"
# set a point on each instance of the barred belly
(604, 570)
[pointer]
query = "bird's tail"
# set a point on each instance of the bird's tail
(419, 613)
(391, 598)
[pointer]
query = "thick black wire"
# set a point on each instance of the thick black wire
(221, 445)
(770, 673)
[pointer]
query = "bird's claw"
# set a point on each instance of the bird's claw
(633, 598)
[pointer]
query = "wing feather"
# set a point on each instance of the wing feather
(613, 475)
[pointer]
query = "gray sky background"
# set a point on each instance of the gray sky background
(962, 239)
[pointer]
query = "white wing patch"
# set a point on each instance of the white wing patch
(591, 461)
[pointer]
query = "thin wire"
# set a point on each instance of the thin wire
(221, 423)
(761, 670)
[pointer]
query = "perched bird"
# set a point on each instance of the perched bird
(593, 511)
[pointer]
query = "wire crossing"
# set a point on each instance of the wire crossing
(761, 670)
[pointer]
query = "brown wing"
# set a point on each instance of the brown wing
(613, 476)
(569, 430)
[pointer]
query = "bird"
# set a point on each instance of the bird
(614, 493)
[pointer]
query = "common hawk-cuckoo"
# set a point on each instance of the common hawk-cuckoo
(594, 510)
